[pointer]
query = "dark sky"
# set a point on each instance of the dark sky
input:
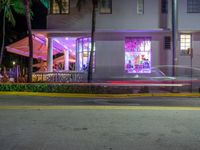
(20, 30)
(38, 20)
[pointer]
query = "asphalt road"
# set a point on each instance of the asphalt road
(75, 128)
(140, 101)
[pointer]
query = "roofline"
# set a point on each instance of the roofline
(63, 31)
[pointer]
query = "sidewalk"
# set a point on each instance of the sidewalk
(79, 95)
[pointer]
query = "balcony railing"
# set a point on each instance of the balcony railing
(60, 77)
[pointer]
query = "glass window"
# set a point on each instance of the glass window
(138, 55)
(140, 7)
(164, 6)
(83, 52)
(193, 6)
(60, 7)
(185, 43)
(105, 6)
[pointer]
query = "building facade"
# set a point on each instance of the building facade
(131, 37)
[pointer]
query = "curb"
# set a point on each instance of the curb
(151, 108)
(78, 95)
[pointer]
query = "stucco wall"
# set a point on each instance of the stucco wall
(123, 17)
(109, 59)
(110, 56)
(186, 21)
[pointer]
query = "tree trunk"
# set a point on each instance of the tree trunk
(90, 67)
(28, 20)
(3, 37)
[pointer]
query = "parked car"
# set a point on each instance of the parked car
(163, 76)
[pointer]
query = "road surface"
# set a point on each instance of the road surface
(43, 123)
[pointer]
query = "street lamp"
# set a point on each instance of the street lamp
(13, 63)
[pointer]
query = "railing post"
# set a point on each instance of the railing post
(42, 77)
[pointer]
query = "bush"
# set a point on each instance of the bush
(64, 88)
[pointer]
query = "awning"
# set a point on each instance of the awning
(21, 47)
(40, 47)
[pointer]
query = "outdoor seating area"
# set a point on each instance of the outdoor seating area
(13, 76)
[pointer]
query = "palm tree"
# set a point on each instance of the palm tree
(20, 7)
(30, 38)
(7, 7)
(94, 3)
(28, 20)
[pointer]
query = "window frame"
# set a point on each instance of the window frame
(185, 50)
(145, 39)
(100, 7)
(62, 13)
(80, 53)
(140, 5)
(190, 9)
(164, 6)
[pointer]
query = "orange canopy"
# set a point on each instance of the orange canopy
(21, 47)
(40, 47)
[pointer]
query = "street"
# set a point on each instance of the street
(44, 123)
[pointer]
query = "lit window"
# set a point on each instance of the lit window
(138, 55)
(60, 7)
(193, 6)
(185, 43)
(83, 53)
(105, 6)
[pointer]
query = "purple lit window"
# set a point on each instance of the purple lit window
(138, 55)
(83, 53)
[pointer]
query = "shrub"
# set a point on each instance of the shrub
(64, 88)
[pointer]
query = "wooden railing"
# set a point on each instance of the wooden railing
(60, 77)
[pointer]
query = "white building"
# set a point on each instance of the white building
(127, 31)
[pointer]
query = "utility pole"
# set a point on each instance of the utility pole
(174, 34)
(190, 52)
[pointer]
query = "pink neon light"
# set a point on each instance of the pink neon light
(138, 55)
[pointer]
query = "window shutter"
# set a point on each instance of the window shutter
(167, 42)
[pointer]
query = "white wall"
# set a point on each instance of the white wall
(109, 59)
(110, 55)
(196, 50)
(123, 17)
(186, 21)
(155, 57)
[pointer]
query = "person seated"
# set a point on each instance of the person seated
(84, 67)
(1, 77)
(5, 78)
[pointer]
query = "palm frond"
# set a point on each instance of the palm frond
(18, 6)
(3, 3)
(45, 3)
(9, 16)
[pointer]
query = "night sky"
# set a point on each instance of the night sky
(20, 31)
(38, 20)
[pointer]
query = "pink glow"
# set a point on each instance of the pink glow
(138, 55)
(40, 46)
